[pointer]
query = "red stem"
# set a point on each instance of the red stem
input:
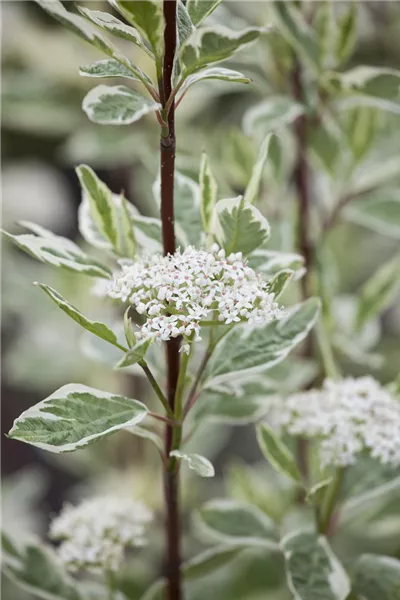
(305, 244)
(167, 154)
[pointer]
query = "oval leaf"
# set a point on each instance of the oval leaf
(118, 105)
(235, 522)
(312, 569)
(246, 350)
(376, 577)
(239, 226)
(75, 416)
(111, 24)
(196, 462)
(214, 73)
(107, 68)
(213, 44)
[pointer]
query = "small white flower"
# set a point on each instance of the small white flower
(193, 285)
(95, 534)
(346, 417)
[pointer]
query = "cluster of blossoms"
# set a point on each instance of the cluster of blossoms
(176, 293)
(347, 417)
(95, 534)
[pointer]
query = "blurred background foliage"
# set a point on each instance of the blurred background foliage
(45, 135)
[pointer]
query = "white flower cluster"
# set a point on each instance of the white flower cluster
(177, 292)
(95, 534)
(347, 417)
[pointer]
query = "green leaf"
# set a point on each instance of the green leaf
(376, 87)
(246, 350)
(360, 128)
(347, 33)
(95, 327)
(380, 213)
(74, 416)
(59, 252)
(209, 45)
(127, 241)
(133, 229)
(185, 25)
(376, 500)
(376, 577)
(237, 406)
(279, 281)
(317, 492)
(186, 206)
(236, 522)
(200, 9)
(325, 27)
(80, 27)
(214, 73)
(210, 561)
(117, 105)
(297, 32)
(100, 200)
(253, 187)
(313, 571)
(36, 569)
(129, 335)
(87, 32)
(146, 434)
(271, 262)
(277, 453)
(107, 68)
(134, 354)
(239, 226)
(271, 115)
(208, 191)
(325, 143)
(378, 292)
(147, 16)
(196, 462)
(111, 24)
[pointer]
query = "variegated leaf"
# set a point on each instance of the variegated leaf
(253, 187)
(312, 569)
(107, 68)
(200, 9)
(214, 73)
(208, 191)
(100, 199)
(59, 252)
(209, 45)
(74, 416)
(117, 105)
(239, 226)
(246, 350)
(277, 453)
(147, 17)
(96, 327)
(197, 463)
